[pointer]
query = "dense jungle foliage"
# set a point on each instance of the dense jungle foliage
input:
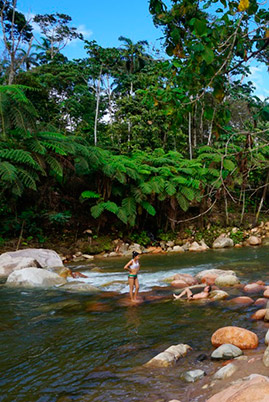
(126, 140)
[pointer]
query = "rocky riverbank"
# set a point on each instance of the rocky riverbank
(188, 240)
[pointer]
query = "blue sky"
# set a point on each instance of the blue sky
(106, 20)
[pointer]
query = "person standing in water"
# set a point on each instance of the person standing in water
(133, 267)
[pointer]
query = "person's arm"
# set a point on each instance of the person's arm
(127, 266)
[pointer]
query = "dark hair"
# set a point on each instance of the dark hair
(135, 254)
(209, 286)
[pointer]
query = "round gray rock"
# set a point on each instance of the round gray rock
(226, 351)
(193, 375)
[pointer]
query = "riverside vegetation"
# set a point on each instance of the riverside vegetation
(124, 142)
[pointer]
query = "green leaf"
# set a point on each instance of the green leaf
(149, 208)
(208, 55)
(228, 164)
(200, 27)
(183, 202)
(89, 194)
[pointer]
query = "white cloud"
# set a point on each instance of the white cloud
(259, 76)
(84, 31)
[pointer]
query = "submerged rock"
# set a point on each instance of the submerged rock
(193, 375)
(169, 356)
(80, 287)
(240, 337)
(34, 277)
(226, 351)
(249, 389)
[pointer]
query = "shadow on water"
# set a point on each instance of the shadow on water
(60, 347)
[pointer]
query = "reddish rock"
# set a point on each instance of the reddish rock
(189, 279)
(261, 302)
(240, 337)
(242, 300)
(259, 314)
(254, 388)
(260, 283)
(155, 250)
(179, 284)
(253, 288)
(209, 279)
(266, 293)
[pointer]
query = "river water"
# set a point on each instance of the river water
(62, 347)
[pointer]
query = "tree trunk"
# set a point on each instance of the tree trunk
(211, 128)
(97, 106)
(190, 139)
(262, 198)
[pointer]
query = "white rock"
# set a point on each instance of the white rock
(227, 280)
(193, 375)
(169, 356)
(178, 249)
(266, 357)
(88, 257)
(223, 242)
(266, 339)
(216, 272)
(225, 372)
(218, 295)
(254, 241)
(44, 257)
(34, 277)
(9, 264)
(170, 243)
(226, 351)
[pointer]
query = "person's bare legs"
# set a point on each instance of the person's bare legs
(131, 287)
(136, 283)
(186, 291)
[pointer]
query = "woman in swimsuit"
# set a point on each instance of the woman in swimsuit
(191, 296)
(133, 267)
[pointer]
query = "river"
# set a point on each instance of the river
(62, 347)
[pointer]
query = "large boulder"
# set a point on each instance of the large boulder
(44, 257)
(210, 275)
(9, 264)
(254, 388)
(169, 356)
(226, 351)
(223, 241)
(240, 337)
(226, 280)
(34, 277)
